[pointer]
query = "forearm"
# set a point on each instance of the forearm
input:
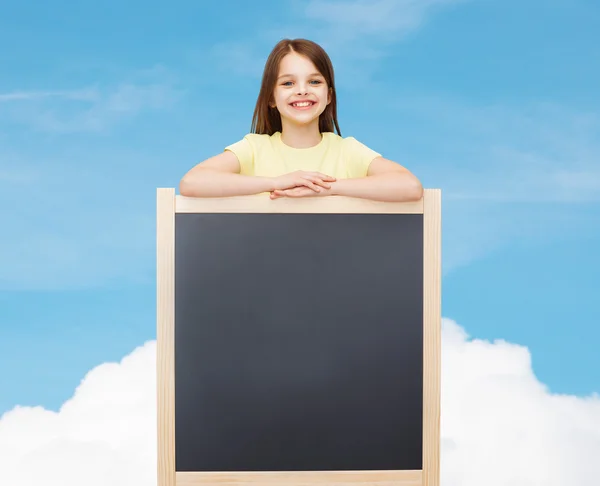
(396, 187)
(213, 183)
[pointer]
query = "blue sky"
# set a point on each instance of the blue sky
(495, 102)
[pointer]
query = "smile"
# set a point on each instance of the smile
(303, 105)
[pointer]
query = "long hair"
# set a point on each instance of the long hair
(266, 119)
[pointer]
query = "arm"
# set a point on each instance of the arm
(385, 181)
(220, 176)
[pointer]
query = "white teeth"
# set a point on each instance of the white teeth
(305, 103)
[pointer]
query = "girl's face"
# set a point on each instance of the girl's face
(299, 80)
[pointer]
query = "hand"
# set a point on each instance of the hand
(312, 180)
(299, 191)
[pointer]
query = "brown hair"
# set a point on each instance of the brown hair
(267, 120)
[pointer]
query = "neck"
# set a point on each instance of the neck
(304, 136)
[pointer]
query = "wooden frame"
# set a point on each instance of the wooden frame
(168, 204)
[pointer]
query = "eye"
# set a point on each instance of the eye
(313, 81)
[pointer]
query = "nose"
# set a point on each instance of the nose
(302, 90)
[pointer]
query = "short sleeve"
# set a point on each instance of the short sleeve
(359, 157)
(245, 154)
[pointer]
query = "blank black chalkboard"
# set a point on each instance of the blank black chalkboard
(298, 342)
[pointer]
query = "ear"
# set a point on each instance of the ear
(329, 94)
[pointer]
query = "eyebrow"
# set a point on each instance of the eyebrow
(291, 75)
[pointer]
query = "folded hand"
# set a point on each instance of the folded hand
(300, 191)
(316, 181)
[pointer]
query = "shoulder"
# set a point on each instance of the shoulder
(353, 147)
(350, 143)
(353, 143)
(334, 138)
(257, 136)
(258, 139)
(253, 139)
(249, 145)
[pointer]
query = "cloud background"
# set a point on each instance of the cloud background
(493, 101)
(500, 424)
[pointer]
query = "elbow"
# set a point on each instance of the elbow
(185, 188)
(412, 189)
(409, 187)
(418, 190)
(195, 183)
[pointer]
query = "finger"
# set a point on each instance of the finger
(321, 178)
(311, 185)
(300, 192)
(325, 177)
(322, 183)
(287, 192)
(319, 182)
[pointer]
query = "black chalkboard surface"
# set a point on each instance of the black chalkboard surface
(298, 342)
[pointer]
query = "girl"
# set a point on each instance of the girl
(292, 150)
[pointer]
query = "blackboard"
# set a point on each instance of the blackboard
(298, 342)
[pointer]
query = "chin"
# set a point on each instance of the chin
(302, 122)
(303, 118)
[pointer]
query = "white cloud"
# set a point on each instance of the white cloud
(93, 108)
(380, 18)
(104, 435)
(238, 58)
(359, 34)
(500, 425)
(87, 94)
(537, 152)
(355, 33)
